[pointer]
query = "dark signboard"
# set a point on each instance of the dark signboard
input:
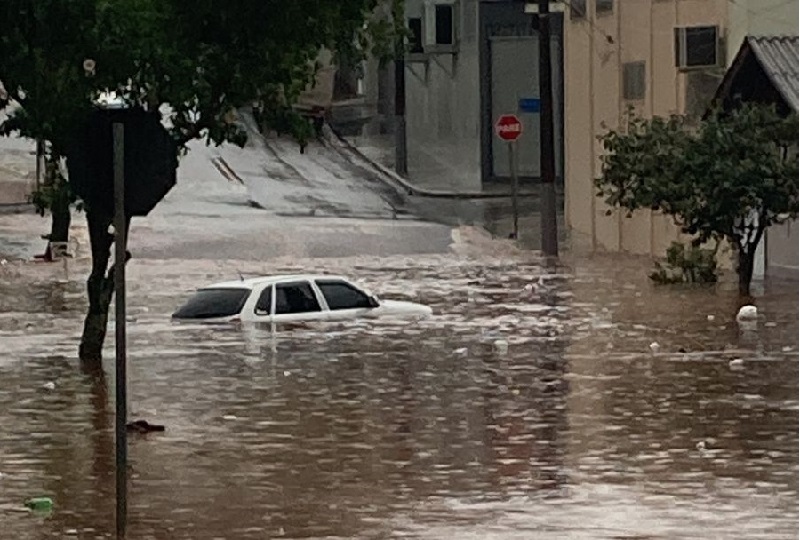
(151, 160)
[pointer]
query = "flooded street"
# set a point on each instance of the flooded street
(425, 430)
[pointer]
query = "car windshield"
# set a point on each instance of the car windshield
(210, 303)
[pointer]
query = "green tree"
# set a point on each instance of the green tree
(34, 69)
(195, 63)
(730, 176)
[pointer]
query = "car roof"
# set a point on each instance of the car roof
(251, 283)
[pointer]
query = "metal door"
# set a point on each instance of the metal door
(515, 76)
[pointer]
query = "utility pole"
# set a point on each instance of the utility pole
(400, 156)
(549, 224)
(120, 231)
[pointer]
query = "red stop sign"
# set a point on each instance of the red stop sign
(508, 127)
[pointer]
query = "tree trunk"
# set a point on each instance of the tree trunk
(59, 203)
(747, 257)
(745, 269)
(100, 289)
(59, 228)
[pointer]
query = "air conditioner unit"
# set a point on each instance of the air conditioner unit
(697, 47)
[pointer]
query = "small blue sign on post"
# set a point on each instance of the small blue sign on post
(530, 105)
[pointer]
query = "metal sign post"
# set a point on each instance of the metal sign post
(512, 166)
(119, 304)
(509, 128)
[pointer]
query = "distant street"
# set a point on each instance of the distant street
(263, 201)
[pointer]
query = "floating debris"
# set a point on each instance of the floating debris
(143, 426)
(747, 313)
(39, 504)
(736, 363)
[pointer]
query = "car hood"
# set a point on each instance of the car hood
(397, 307)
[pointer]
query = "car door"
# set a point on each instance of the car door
(265, 304)
(296, 301)
(344, 300)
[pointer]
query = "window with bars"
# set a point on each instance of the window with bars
(440, 23)
(436, 30)
(634, 81)
(577, 9)
(696, 46)
(603, 7)
(415, 37)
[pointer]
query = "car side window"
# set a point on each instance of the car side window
(264, 304)
(295, 298)
(341, 295)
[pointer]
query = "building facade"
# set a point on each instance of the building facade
(655, 57)
(469, 62)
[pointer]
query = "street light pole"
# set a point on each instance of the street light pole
(549, 224)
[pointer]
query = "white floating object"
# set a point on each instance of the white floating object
(501, 346)
(701, 445)
(287, 373)
(787, 348)
(49, 385)
(462, 350)
(229, 417)
(736, 363)
(747, 313)
(111, 229)
(529, 288)
(655, 347)
(710, 317)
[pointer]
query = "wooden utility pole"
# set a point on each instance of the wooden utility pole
(549, 224)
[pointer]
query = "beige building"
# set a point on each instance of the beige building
(659, 57)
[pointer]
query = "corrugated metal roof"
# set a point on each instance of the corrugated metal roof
(779, 59)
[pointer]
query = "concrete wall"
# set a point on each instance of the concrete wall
(759, 18)
(595, 51)
(782, 250)
(443, 108)
(453, 99)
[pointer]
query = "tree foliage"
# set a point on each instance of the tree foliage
(200, 59)
(194, 63)
(729, 177)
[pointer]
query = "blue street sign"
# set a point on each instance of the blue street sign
(530, 105)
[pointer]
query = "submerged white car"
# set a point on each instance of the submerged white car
(292, 298)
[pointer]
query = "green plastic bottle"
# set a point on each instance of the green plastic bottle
(40, 504)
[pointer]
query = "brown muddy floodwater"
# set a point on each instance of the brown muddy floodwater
(380, 430)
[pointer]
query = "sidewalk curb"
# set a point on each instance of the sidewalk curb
(396, 181)
(16, 208)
